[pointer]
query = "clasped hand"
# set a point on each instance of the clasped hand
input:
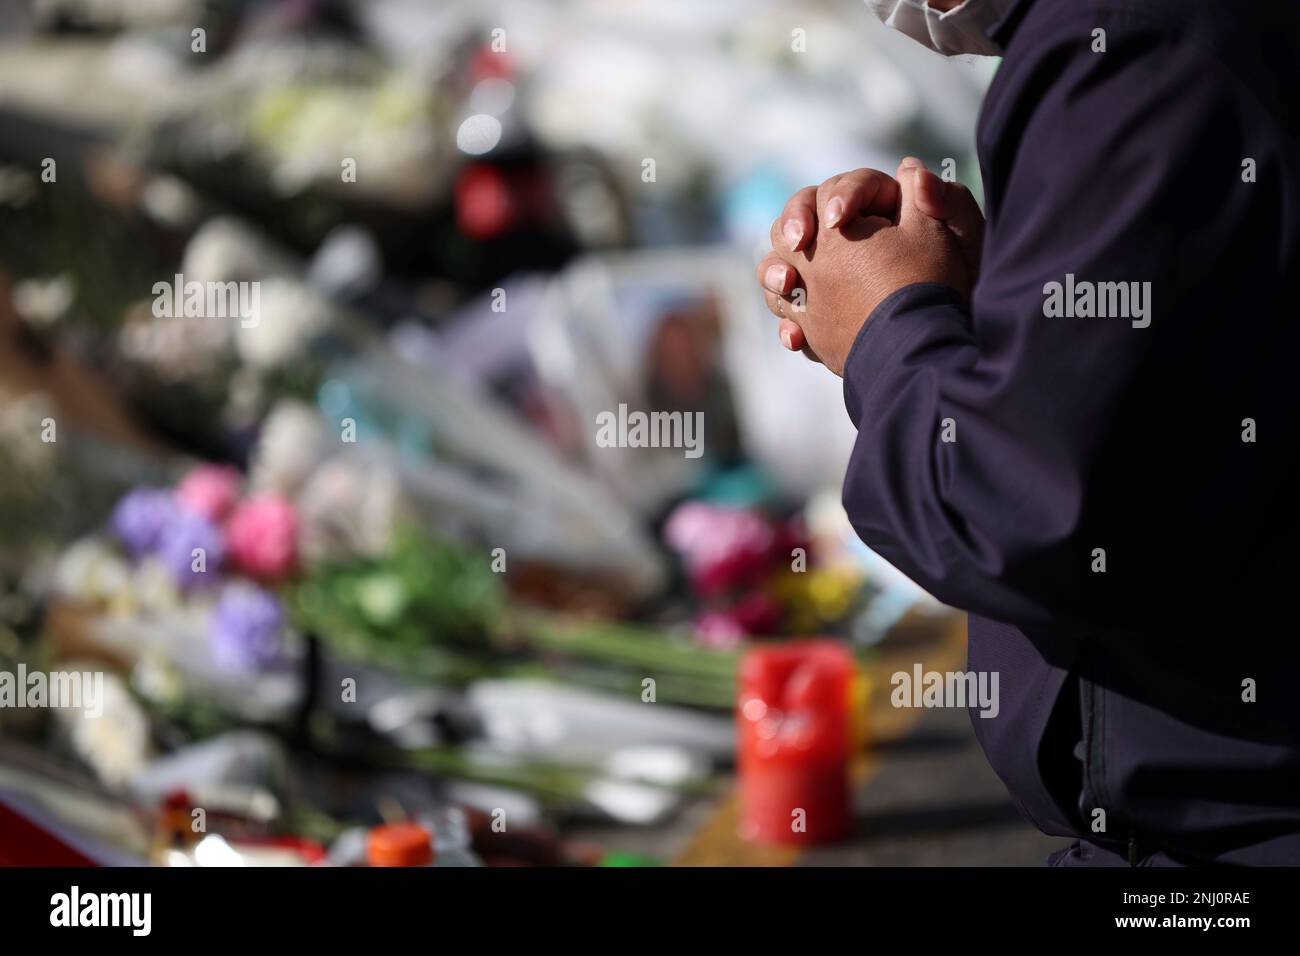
(842, 248)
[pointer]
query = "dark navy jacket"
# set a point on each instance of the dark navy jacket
(1170, 158)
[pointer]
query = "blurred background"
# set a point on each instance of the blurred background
(362, 581)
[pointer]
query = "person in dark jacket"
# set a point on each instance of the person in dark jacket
(1077, 418)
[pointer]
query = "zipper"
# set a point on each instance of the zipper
(1093, 769)
(1089, 728)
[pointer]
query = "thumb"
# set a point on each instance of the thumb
(925, 194)
(918, 198)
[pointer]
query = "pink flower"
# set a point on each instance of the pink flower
(722, 547)
(718, 630)
(262, 537)
(210, 490)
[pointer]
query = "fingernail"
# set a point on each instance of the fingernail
(785, 338)
(793, 232)
(834, 211)
(774, 279)
(911, 162)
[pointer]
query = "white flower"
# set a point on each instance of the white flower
(152, 589)
(291, 444)
(116, 743)
(91, 570)
(21, 427)
(175, 348)
(228, 250)
(349, 507)
(290, 314)
(43, 302)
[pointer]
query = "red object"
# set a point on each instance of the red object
(485, 206)
(400, 844)
(793, 720)
(24, 842)
(487, 63)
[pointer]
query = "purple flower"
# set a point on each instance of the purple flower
(187, 532)
(140, 518)
(246, 627)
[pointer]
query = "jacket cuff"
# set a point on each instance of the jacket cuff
(893, 325)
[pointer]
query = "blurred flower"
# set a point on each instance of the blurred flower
(43, 301)
(151, 590)
(187, 533)
(758, 612)
(157, 677)
(262, 537)
(349, 508)
(21, 425)
(382, 598)
(246, 627)
(226, 249)
(290, 314)
(299, 130)
(722, 547)
(289, 448)
(140, 518)
(718, 630)
(116, 743)
(91, 570)
(171, 201)
(819, 597)
(210, 490)
(175, 348)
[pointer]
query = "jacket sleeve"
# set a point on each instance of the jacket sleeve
(1000, 447)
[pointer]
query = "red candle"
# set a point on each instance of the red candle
(793, 718)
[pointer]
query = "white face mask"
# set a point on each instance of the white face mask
(960, 30)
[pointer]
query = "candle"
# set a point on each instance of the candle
(400, 844)
(793, 718)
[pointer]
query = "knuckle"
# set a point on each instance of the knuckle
(800, 203)
(802, 198)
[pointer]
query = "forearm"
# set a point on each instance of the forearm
(952, 490)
